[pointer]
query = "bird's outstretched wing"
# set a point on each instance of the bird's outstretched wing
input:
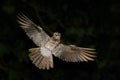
(34, 31)
(72, 53)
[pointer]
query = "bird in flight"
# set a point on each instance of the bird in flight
(41, 56)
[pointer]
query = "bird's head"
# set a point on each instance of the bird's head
(56, 36)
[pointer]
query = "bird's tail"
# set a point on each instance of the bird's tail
(40, 61)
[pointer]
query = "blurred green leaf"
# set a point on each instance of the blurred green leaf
(9, 9)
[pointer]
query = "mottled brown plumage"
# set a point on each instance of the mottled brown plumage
(48, 46)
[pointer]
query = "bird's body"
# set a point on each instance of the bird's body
(48, 46)
(51, 44)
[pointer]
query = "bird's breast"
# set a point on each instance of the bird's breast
(51, 44)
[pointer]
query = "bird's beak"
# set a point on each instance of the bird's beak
(56, 38)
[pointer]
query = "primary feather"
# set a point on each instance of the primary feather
(34, 31)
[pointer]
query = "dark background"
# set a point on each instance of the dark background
(86, 23)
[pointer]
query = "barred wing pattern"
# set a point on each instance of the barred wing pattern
(34, 31)
(72, 53)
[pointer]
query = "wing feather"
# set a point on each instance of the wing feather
(73, 53)
(34, 32)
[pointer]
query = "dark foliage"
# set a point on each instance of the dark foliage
(87, 23)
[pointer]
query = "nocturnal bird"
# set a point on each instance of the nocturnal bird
(42, 55)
